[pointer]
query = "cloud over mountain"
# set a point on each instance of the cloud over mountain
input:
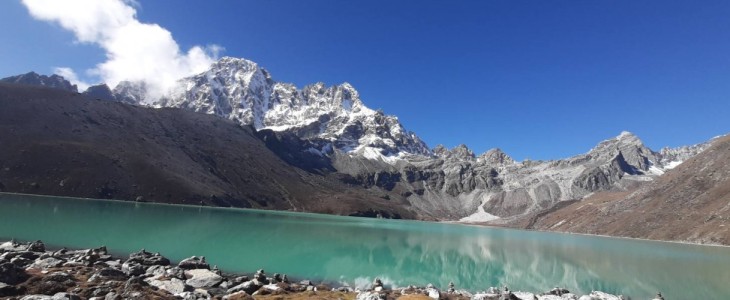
(135, 50)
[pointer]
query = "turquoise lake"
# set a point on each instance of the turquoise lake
(353, 251)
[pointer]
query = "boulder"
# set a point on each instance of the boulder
(194, 262)
(65, 296)
(37, 246)
(202, 278)
(108, 274)
(19, 254)
(273, 287)
(156, 270)
(249, 287)
(58, 277)
(48, 262)
(370, 296)
(486, 296)
(432, 292)
(174, 285)
(148, 259)
(12, 274)
(175, 272)
(11, 246)
(37, 297)
(132, 268)
(597, 295)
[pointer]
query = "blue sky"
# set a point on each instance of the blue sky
(539, 79)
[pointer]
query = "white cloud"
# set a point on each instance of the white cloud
(70, 75)
(134, 50)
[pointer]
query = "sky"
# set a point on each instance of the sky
(538, 79)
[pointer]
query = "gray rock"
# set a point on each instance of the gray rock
(594, 295)
(108, 274)
(65, 296)
(37, 297)
(174, 285)
(49, 262)
(202, 278)
(20, 254)
(156, 270)
(58, 277)
(112, 296)
(37, 246)
(272, 287)
(249, 287)
(148, 259)
(370, 296)
(432, 292)
(132, 268)
(377, 282)
(194, 262)
(21, 262)
(176, 273)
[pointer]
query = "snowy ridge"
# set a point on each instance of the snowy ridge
(240, 90)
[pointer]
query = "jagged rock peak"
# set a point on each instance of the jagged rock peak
(628, 137)
(440, 150)
(132, 92)
(461, 152)
(33, 78)
(495, 156)
(100, 91)
(630, 147)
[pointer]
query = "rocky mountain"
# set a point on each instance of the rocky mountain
(688, 203)
(334, 117)
(33, 78)
(330, 132)
(457, 185)
(57, 142)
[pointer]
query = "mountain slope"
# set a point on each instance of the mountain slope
(688, 203)
(329, 131)
(59, 143)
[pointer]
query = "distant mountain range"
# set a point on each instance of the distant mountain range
(330, 134)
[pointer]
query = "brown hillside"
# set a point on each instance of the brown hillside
(689, 203)
(55, 142)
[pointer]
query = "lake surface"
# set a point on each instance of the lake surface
(354, 251)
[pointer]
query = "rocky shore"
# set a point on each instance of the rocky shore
(29, 271)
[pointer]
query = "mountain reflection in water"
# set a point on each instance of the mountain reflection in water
(353, 251)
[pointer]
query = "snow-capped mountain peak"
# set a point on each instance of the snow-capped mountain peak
(240, 90)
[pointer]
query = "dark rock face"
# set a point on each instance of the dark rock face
(99, 92)
(33, 78)
(11, 273)
(62, 142)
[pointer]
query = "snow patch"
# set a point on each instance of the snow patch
(672, 165)
(479, 216)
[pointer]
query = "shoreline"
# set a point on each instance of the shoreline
(478, 225)
(30, 269)
(588, 234)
